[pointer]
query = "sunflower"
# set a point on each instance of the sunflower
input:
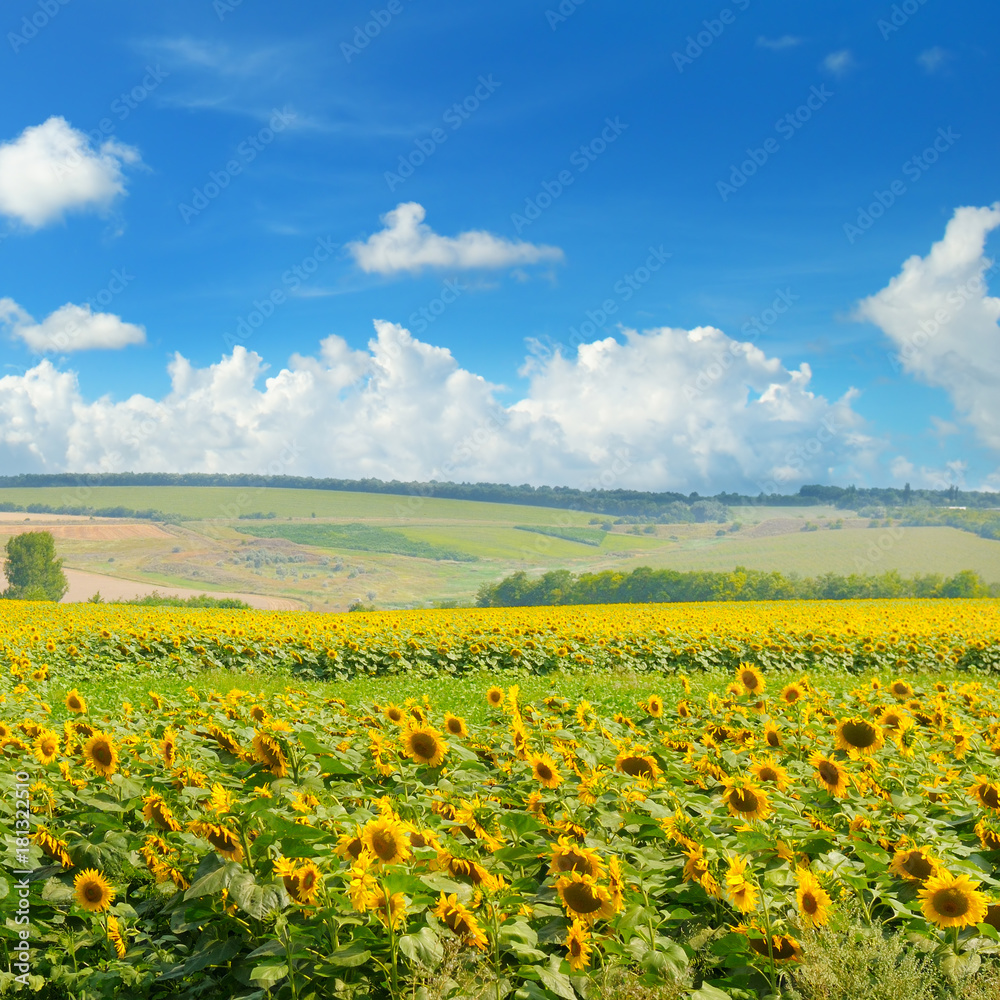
(767, 770)
(986, 792)
(454, 725)
(495, 697)
(578, 946)
(101, 754)
(55, 849)
(394, 713)
(466, 869)
(225, 741)
(267, 751)
(814, 901)
(742, 891)
(859, 737)
(781, 948)
(792, 694)
(92, 891)
(992, 916)
(168, 747)
(749, 679)
(115, 936)
(221, 838)
(424, 745)
(637, 765)
(900, 690)
(895, 720)
(654, 706)
(158, 812)
(460, 921)
(390, 909)
(46, 746)
(308, 878)
(744, 799)
(584, 898)
(772, 736)
(916, 864)
(545, 770)
(952, 901)
(989, 835)
(75, 702)
(830, 774)
(696, 870)
(386, 840)
(570, 857)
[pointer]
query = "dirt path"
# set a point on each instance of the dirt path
(83, 585)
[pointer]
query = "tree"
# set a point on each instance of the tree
(32, 570)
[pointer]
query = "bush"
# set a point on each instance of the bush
(32, 570)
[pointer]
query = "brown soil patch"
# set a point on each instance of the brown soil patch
(94, 532)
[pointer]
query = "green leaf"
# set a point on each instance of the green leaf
(353, 955)
(556, 981)
(269, 974)
(214, 882)
(54, 891)
(423, 948)
(710, 992)
(257, 900)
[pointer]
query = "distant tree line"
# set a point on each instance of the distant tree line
(84, 511)
(611, 502)
(645, 585)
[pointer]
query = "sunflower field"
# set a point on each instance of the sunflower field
(751, 840)
(82, 641)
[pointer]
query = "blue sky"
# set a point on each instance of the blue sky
(213, 148)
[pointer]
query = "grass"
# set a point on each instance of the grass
(585, 536)
(356, 537)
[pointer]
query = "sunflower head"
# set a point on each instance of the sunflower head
(454, 725)
(792, 694)
(830, 774)
(857, 736)
(75, 702)
(749, 679)
(638, 765)
(92, 891)
(545, 770)
(900, 690)
(952, 901)
(814, 901)
(460, 921)
(745, 800)
(916, 864)
(584, 898)
(101, 754)
(386, 840)
(578, 946)
(424, 745)
(568, 856)
(495, 697)
(654, 706)
(46, 746)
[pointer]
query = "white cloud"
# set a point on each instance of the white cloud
(408, 244)
(944, 325)
(70, 328)
(839, 63)
(665, 409)
(52, 168)
(777, 44)
(932, 59)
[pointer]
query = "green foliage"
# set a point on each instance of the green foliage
(32, 570)
(585, 536)
(356, 536)
(644, 585)
(156, 600)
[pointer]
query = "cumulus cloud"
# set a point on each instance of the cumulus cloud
(777, 44)
(70, 328)
(52, 168)
(943, 323)
(661, 409)
(408, 244)
(839, 63)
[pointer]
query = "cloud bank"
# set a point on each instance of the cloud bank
(52, 168)
(661, 409)
(407, 244)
